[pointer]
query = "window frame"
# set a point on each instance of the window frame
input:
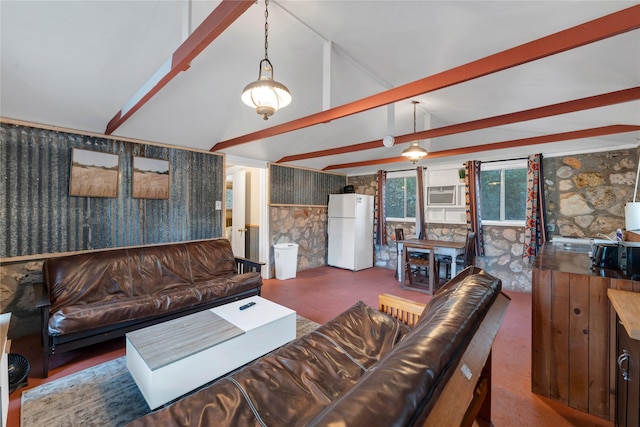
(403, 174)
(502, 166)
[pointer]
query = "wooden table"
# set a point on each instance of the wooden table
(441, 247)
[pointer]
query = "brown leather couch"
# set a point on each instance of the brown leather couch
(363, 368)
(93, 297)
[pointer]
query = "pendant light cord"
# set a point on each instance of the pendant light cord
(266, 29)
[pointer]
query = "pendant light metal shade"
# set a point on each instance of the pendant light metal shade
(265, 94)
(414, 152)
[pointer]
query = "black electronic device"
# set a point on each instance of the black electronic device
(247, 305)
(606, 255)
(629, 258)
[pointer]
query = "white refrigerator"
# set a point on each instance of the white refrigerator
(350, 231)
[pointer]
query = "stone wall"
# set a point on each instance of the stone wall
(306, 226)
(585, 195)
(385, 256)
(503, 248)
(17, 296)
(364, 184)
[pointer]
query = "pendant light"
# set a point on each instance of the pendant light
(414, 152)
(265, 94)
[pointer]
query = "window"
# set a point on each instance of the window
(401, 196)
(504, 192)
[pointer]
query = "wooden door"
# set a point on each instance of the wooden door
(627, 379)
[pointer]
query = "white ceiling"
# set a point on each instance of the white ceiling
(75, 64)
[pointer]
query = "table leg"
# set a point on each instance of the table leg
(454, 265)
(400, 261)
(402, 266)
(432, 271)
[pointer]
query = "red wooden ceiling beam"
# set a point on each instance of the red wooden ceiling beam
(610, 98)
(580, 35)
(219, 20)
(544, 139)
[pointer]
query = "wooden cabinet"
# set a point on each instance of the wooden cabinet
(626, 358)
(570, 351)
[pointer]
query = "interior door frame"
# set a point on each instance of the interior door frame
(263, 208)
(238, 212)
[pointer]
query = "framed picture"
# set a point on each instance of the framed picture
(150, 178)
(94, 174)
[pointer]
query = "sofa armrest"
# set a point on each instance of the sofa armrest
(41, 296)
(405, 310)
(244, 265)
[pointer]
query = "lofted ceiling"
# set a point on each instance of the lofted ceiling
(77, 64)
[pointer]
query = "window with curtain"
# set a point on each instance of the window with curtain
(504, 192)
(400, 203)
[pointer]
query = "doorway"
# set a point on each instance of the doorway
(246, 216)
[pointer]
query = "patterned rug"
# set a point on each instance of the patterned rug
(104, 395)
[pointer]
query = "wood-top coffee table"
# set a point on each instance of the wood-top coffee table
(170, 359)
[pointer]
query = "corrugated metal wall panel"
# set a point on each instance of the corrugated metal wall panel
(298, 186)
(38, 216)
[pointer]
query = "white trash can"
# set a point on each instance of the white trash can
(286, 258)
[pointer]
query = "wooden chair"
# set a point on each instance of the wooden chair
(421, 269)
(399, 233)
(464, 260)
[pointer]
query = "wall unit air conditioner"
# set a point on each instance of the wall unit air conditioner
(441, 196)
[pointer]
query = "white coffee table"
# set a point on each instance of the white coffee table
(172, 358)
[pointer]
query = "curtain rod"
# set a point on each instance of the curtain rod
(504, 160)
(406, 170)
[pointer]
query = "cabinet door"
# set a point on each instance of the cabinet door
(627, 379)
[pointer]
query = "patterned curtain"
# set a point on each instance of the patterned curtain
(381, 225)
(535, 227)
(420, 219)
(472, 195)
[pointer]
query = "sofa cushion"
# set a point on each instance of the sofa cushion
(84, 317)
(201, 253)
(228, 285)
(87, 278)
(289, 386)
(156, 268)
(445, 292)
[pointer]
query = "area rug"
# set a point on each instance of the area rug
(104, 395)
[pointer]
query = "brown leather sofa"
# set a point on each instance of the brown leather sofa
(93, 297)
(363, 368)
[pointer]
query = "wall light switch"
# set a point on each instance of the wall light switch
(218, 205)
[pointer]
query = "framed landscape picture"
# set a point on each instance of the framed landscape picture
(150, 178)
(94, 174)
